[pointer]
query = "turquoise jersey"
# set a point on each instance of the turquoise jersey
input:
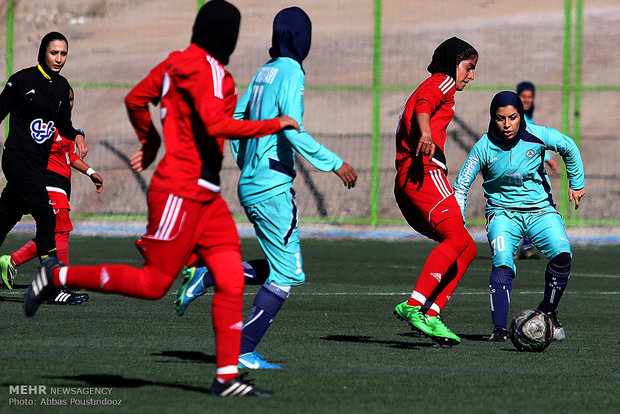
(515, 178)
(268, 163)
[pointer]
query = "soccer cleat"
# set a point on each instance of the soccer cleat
(254, 360)
(237, 387)
(558, 329)
(190, 289)
(42, 287)
(499, 335)
(67, 297)
(440, 332)
(8, 271)
(413, 315)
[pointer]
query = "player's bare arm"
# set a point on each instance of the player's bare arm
(347, 174)
(80, 146)
(576, 195)
(84, 168)
(426, 146)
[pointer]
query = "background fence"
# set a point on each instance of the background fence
(367, 57)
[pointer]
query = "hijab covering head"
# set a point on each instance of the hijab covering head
(506, 98)
(292, 34)
(444, 56)
(51, 36)
(527, 86)
(216, 29)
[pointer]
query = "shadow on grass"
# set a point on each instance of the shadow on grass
(370, 340)
(118, 381)
(186, 356)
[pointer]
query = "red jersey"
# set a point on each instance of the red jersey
(58, 175)
(198, 98)
(62, 156)
(435, 96)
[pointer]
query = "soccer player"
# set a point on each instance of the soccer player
(37, 99)
(266, 182)
(527, 94)
(423, 192)
(58, 179)
(519, 203)
(188, 220)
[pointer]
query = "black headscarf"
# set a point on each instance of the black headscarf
(506, 98)
(51, 36)
(216, 29)
(444, 56)
(527, 86)
(292, 34)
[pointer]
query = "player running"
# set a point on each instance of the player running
(58, 179)
(423, 192)
(510, 157)
(266, 183)
(188, 220)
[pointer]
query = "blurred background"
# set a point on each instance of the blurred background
(367, 57)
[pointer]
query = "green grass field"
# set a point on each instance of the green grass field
(341, 348)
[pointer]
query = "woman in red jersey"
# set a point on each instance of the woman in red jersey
(423, 193)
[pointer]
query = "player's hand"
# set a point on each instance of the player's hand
(347, 174)
(98, 181)
(286, 122)
(426, 146)
(576, 195)
(143, 158)
(81, 148)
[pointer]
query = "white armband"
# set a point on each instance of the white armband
(90, 171)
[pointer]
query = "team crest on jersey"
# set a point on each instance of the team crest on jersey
(530, 153)
(40, 131)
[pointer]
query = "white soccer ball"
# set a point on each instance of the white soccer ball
(531, 330)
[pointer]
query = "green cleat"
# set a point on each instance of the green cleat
(191, 288)
(440, 332)
(8, 271)
(414, 316)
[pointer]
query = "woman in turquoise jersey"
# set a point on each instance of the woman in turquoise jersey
(519, 203)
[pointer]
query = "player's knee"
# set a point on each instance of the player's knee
(560, 263)
(154, 284)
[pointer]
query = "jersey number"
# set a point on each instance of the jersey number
(498, 245)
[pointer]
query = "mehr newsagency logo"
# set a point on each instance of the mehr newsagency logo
(44, 395)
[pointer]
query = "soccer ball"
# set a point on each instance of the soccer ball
(531, 330)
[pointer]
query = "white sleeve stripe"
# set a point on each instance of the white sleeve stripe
(217, 72)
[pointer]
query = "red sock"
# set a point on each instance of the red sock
(227, 308)
(144, 283)
(27, 252)
(62, 246)
(435, 267)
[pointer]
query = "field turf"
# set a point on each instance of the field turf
(342, 349)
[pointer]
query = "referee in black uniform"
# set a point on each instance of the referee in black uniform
(38, 100)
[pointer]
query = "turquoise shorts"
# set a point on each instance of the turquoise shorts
(275, 223)
(506, 228)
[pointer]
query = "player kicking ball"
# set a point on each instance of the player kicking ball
(266, 183)
(188, 220)
(520, 204)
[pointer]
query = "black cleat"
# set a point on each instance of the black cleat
(67, 297)
(237, 387)
(42, 287)
(499, 335)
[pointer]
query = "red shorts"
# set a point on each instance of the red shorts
(180, 231)
(63, 222)
(425, 201)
